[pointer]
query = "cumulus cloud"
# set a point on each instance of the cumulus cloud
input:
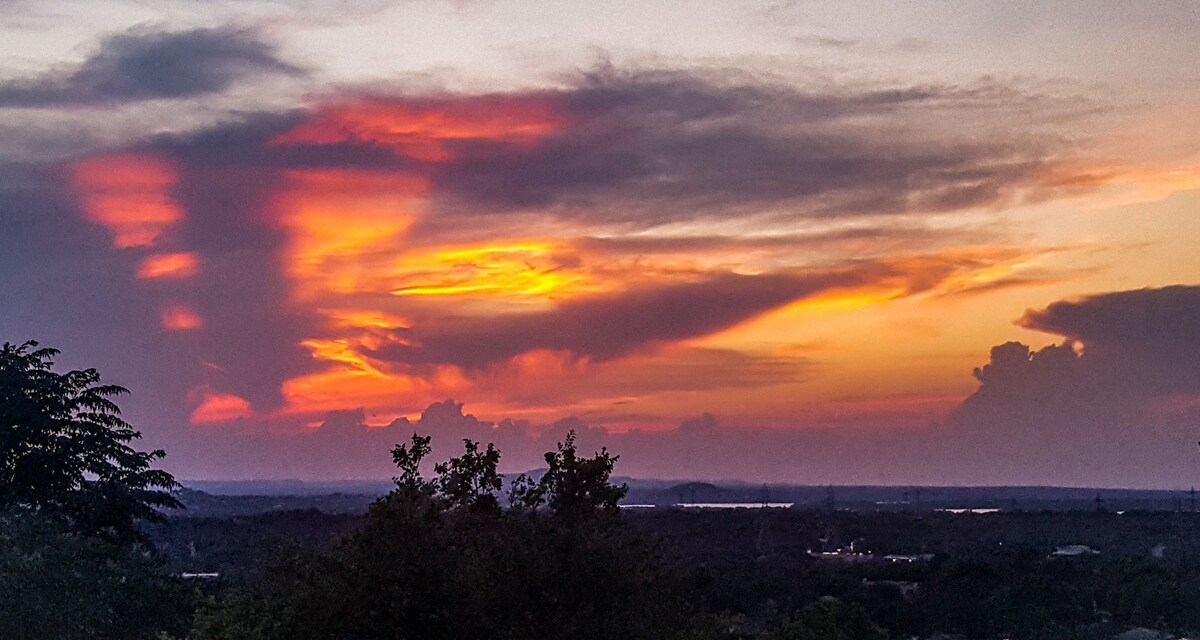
(147, 65)
(702, 447)
(1127, 345)
(1147, 340)
(1108, 404)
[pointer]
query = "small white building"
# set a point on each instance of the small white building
(908, 558)
(1074, 551)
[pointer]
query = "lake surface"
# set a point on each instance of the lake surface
(713, 505)
(733, 505)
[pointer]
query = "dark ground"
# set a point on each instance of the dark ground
(980, 575)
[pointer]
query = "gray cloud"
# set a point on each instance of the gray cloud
(147, 65)
(1146, 340)
(645, 148)
(639, 149)
(606, 327)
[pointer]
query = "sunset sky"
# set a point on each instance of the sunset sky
(768, 241)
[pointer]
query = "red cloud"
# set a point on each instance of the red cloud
(425, 130)
(216, 407)
(129, 194)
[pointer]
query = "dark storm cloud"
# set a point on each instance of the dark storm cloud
(645, 148)
(147, 65)
(1150, 336)
(652, 147)
(607, 327)
(1109, 404)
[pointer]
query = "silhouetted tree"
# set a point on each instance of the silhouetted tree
(64, 449)
(438, 559)
(407, 458)
(572, 487)
(471, 480)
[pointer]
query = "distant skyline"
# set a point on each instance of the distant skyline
(811, 242)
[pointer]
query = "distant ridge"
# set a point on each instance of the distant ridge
(288, 487)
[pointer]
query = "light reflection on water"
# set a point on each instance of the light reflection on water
(714, 505)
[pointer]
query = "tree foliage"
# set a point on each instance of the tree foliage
(64, 449)
(829, 619)
(407, 458)
(439, 558)
(471, 480)
(572, 487)
(66, 586)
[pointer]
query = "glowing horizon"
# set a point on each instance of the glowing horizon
(810, 223)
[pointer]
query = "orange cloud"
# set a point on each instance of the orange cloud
(1134, 183)
(346, 227)
(129, 194)
(346, 242)
(351, 381)
(422, 130)
(358, 248)
(216, 407)
(169, 265)
(180, 318)
(343, 226)
(946, 272)
(965, 268)
(516, 269)
(365, 319)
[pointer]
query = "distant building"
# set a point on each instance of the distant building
(845, 555)
(1074, 551)
(908, 557)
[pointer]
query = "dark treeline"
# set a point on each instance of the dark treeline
(979, 575)
(750, 571)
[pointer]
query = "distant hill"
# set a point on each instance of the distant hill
(288, 487)
(693, 492)
(201, 504)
